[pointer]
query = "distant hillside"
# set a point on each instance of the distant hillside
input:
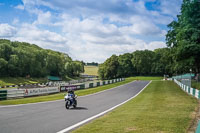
(20, 59)
(91, 70)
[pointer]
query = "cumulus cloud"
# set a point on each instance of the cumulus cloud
(155, 44)
(44, 38)
(95, 52)
(91, 40)
(170, 7)
(142, 28)
(94, 30)
(7, 31)
(43, 18)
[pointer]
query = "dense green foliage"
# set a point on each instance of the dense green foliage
(184, 35)
(146, 62)
(20, 59)
(91, 64)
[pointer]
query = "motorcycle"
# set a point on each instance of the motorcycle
(70, 101)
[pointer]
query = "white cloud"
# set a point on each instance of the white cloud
(94, 52)
(91, 40)
(85, 35)
(7, 31)
(44, 38)
(43, 18)
(87, 39)
(155, 44)
(21, 7)
(142, 28)
(15, 21)
(170, 7)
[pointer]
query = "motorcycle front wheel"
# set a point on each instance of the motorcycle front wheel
(67, 104)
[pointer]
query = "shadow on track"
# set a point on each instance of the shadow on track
(78, 108)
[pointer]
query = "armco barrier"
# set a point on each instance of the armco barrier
(41, 91)
(15, 93)
(105, 82)
(95, 84)
(18, 93)
(67, 87)
(91, 85)
(82, 86)
(86, 85)
(192, 91)
(3, 94)
(55, 83)
(98, 84)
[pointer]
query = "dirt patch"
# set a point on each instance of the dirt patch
(195, 119)
(128, 129)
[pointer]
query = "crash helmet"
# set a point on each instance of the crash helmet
(70, 91)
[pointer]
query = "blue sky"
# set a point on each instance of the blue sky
(88, 30)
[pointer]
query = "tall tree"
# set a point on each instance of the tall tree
(109, 68)
(125, 68)
(184, 34)
(142, 61)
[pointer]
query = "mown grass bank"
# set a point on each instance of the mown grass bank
(61, 95)
(21, 80)
(91, 70)
(161, 108)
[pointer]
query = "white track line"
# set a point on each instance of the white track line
(29, 104)
(100, 114)
(61, 99)
(106, 89)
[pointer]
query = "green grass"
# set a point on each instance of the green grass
(61, 95)
(147, 78)
(161, 108)
(20, 80)
(196, 85)
(91, 70)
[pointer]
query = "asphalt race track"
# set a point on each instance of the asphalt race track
(52, 117)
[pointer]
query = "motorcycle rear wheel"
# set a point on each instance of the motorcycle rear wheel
(75, 104)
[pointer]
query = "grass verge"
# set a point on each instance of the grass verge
(61, 95)
(21, 80)
(196, 85)
(161, 108)
(147, 78)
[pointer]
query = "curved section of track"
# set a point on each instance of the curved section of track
(52, 117)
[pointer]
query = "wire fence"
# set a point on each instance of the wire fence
(189, 79)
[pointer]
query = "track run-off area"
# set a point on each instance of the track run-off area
(51, 117)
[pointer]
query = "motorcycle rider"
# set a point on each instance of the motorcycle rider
(72, 95)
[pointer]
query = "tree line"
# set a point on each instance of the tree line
(91, 64)
(181, 55)
(143, 62)
(20, 59)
